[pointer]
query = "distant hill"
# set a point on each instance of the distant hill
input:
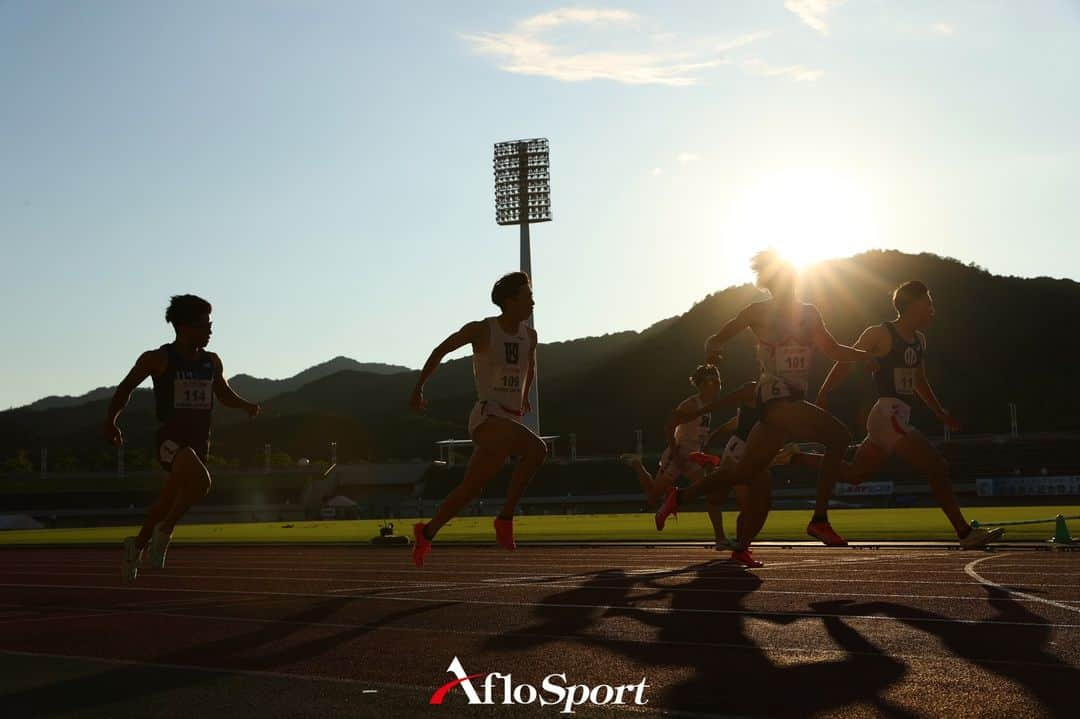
(986, 348)
(256, 389)
(54, 401)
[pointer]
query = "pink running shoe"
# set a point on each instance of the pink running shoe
(827, 535)
(670, 507)
(421, 546)
(746, 558)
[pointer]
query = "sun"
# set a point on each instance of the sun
(808, 215)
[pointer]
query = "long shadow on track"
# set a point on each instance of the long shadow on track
(247, 651)
(737, 678)
(1050, 680)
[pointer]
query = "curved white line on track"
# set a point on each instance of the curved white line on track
(969, 569)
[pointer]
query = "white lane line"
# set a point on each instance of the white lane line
(562, 605)
(607, 637)
(970, 571)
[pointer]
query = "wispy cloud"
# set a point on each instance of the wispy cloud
(813, 12)
(657, 171)
(685, 158)
(799, 73)
(525, 50)
(942, 28)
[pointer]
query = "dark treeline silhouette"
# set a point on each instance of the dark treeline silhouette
(986, 348)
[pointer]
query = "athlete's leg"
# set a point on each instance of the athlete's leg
(917, 451)
(645, 480)
(531, 453)
(868, 460)
(764, 442)
(194, 485)
(491, 442)
(809, 422)
(165, 501)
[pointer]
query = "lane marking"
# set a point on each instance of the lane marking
(969, 569)
(562, 605)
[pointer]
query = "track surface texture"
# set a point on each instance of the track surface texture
(355, 632)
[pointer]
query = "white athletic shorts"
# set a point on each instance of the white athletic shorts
(734, 450)
(482, 410)
(669, 469)
(888, 422)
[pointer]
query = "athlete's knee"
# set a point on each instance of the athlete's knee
(536, 453)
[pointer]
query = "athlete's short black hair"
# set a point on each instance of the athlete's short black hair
(907, 294)
(185, 309)
(773, 272)
(703, 373)
(507, 286)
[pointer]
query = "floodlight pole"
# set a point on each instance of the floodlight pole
(532, 419)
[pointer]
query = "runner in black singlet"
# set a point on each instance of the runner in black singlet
(186, 380)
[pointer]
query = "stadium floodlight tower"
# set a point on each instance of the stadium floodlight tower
(523, 196)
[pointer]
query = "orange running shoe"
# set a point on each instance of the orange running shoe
(670, 507)
(746, 558)
(823, 531)
(504, 533)
(421, 546)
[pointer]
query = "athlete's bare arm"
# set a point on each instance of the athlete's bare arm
(926, 393)
(151, 362)
(226, 395)
(871, 340)
(748, 316)
(832, 349)
(530, 373)
(473, 333)
(744, 395)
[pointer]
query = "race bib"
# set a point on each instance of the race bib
(793, 364)
(193, 394)
(510, 379)
(773, 388)
(904, 380)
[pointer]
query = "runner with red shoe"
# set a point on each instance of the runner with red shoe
(504, 367)
(688, 435)
(900, 347)
(787, 331)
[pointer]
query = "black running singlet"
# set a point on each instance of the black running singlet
(184, 395)
(895, 376)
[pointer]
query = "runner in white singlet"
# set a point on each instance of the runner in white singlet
(504, 367)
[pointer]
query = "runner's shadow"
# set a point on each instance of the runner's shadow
(997, 646)
(697, 651)
(247, 652)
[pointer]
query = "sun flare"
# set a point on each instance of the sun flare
(807, 215)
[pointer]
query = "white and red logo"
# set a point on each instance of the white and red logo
(496, 688)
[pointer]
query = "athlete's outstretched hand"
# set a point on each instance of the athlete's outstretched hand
(113, 435)
(951, 422)
(416, 399)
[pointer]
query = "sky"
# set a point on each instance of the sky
(322, 171)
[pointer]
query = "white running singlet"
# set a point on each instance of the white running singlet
(784, 355)
(500, 372)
